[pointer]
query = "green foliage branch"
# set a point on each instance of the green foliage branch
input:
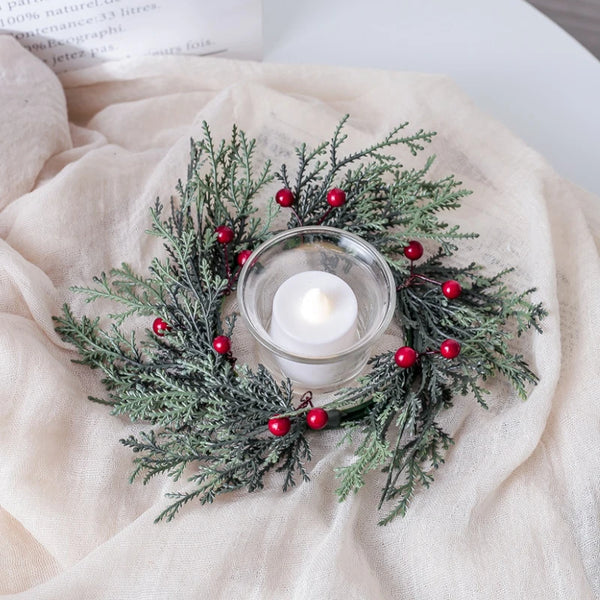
(206, 414)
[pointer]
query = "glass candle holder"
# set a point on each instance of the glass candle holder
(316, 299)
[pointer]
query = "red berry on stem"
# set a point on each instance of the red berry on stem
(222, 344)
(279, 425)
(406, 357)
(224, 234)
(451, 289)
(450, 349)
(414, 250)
(284, 197)
(243, 256)
(317, 418)
(159, 327)
(336, 197)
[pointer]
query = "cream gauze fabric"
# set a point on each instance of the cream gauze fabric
(514, 512)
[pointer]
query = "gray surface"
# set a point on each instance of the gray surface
(580, 18)
(515, 63)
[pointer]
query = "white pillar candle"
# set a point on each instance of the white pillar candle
(314, 316)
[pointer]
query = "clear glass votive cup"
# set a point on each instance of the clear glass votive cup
(317, 248)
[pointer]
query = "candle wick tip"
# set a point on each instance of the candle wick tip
(316, 306)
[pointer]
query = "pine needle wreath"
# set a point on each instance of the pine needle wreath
(209, 415)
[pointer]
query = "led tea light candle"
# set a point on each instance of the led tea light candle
(316, 299)
(314, 315)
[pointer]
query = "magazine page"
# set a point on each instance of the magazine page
(70, 35)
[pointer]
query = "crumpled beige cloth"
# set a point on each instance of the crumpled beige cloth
(514, 512)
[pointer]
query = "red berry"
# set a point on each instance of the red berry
(284, 197)
(224, 234)
(450, 349)
(336, 197)
(279, 425)
(317, 418)
(414, 250)
(159, 327)
(451, 289)
(221, 344)
(243, 256)
(406, 357)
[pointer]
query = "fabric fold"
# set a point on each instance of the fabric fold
(33, 120)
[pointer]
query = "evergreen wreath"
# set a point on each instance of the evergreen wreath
(231, 424)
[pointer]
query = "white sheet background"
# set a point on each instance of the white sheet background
(514, 511)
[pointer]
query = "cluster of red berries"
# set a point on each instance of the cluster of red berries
(225, 236)
(335, 197)
(413, 251)
(221, 344)
(406, 356)
(316, 418)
